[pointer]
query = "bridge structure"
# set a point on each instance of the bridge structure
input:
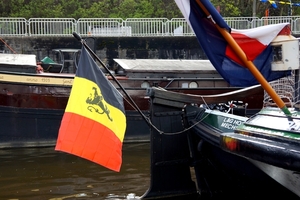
(130, 27)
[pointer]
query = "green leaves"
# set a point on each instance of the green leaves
(89, 9)
(228, 8)
(128, 8)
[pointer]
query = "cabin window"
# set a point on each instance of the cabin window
(145, 84)
(277, 56)
(193, 84)
(185, 85)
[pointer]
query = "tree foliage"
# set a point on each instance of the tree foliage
(130, 8)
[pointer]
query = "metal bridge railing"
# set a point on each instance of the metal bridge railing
(100, 27)
(146, 27)
(296, 26)
(51, 26)
(117, 27)
(178, 27)
(13, 26)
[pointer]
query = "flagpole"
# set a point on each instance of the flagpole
(249, 64)
(109, 72)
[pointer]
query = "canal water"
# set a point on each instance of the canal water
(46, 174)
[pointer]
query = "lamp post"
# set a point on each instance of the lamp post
(254, 8)
(290, 9)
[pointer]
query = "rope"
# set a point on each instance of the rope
(187, 129)
(141, 113)
(170, 133)
(8, 46)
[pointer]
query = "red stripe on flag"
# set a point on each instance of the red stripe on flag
(91, 140)
(285, 31)
(250, 46)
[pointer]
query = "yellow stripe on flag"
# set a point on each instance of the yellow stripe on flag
(88, 101)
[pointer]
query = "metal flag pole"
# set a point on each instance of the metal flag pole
(114, 78)
(249, 64)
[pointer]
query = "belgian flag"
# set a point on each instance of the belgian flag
(94, 122)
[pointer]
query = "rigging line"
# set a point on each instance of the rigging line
(157, 129)
(8, 46)
(190, 127)
(144, 116)
(202, 97)
(83, 42)
(170, 133)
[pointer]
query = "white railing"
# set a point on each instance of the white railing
(100, 27)
(13, 26)
(51, 26)
(117, 27)
(178, 27)
(141, 27)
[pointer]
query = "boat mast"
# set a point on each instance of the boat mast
(249, 64)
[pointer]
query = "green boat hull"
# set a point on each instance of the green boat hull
(270, 140)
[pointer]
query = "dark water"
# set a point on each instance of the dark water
(42, 173)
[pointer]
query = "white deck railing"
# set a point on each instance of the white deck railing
(117, 27)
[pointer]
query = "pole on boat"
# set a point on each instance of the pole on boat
(109, 72)
(249, 64)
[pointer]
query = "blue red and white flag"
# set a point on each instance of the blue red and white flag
(254, 42)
